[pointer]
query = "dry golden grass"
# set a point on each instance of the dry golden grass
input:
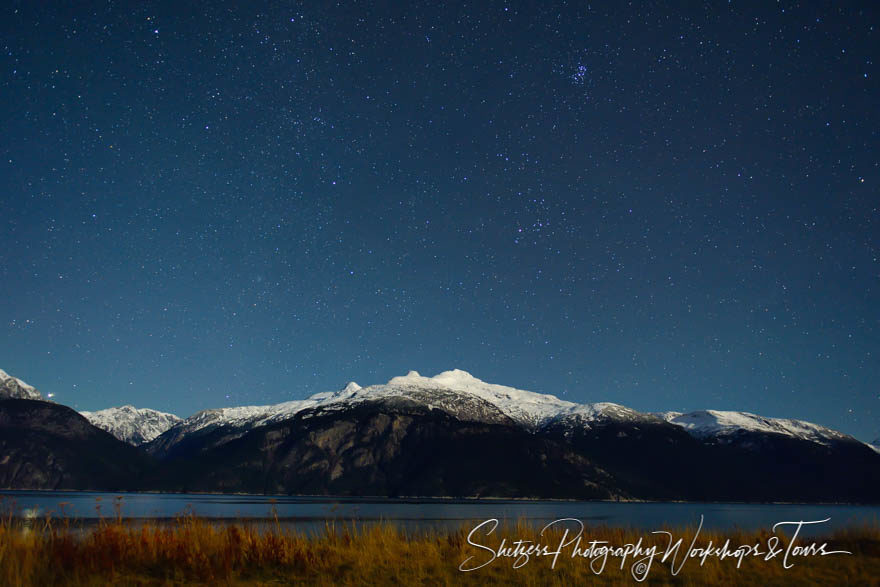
(196, 551)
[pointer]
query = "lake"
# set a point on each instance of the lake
(310, 513)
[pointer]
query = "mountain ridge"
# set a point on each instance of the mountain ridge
(451, 434)
(529, 409)
(533, 410)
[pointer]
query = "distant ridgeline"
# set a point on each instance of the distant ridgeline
(447, 435)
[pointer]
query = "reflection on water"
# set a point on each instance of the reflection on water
(313, 513)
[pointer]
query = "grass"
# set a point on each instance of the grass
(53, 551)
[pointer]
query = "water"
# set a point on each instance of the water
(311, 513)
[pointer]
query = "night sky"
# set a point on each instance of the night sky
(661, 205)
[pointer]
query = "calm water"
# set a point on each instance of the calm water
(313, 512)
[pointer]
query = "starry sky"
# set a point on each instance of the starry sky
(665, 205)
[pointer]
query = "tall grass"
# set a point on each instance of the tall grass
(191, 550)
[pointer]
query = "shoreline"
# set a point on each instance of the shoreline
(429, 499)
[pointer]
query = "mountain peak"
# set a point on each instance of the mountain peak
(13, 387)
(456, 376)
(409, 378)
(351, 387)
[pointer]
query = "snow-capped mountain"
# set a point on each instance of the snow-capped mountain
(726, 425)
(529, 409)
(524, 407)
(875, 445)
(13, 387)
(253, 416)
(132, 425)
(451, 434)
(456, 392)
(468, 398)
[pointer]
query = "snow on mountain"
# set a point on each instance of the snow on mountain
(527, 408)
(244, 415)
(456, 392)
(721, 424)
(464, 396)
(668, 416)
(132, 425)
(351, 387)
(253, 416)
(524, 407)
(607, 411)
(13, 387)
(875, 445)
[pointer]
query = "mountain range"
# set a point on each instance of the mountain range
(455, 435)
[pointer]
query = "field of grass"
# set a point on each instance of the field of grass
(196, 551)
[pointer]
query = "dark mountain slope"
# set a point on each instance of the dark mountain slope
(48, 446)
(390, 448)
